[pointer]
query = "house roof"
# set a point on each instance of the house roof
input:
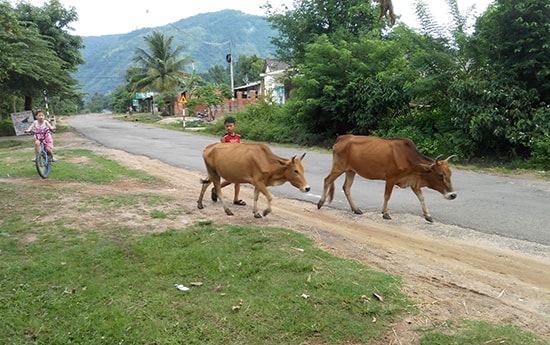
(248, 86)
(271, 65)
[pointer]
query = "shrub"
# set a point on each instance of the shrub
(540, 155)
(6, 128)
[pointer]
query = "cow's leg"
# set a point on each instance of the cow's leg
(262, 189)
(328, 187)
(387, 195)
(269, 198)
(350, 176)
(425, 210)
(205, 183)
(218, 187)
(215, 178)
(255, 208)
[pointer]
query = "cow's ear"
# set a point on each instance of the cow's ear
(428, 167)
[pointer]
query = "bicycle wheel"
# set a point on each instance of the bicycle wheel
(43, 164)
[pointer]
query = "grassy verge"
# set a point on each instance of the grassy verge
(66, 279)
(247, 285)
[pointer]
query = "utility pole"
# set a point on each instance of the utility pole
(229, 59)
(231, 69)
(46, 102)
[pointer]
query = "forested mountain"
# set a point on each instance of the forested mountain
(205, 36)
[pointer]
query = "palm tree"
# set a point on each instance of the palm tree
(159, 67)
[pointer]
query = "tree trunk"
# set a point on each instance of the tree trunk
(28, 102)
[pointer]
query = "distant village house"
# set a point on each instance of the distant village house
(271, 86)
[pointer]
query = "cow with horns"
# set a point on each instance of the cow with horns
(396, 161)
(250, 163)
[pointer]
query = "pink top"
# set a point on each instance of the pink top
(42, 131)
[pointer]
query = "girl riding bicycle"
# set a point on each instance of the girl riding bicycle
(42, 128)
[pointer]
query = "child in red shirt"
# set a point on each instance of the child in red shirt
(230, 137)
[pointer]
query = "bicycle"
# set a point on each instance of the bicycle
(43, 159)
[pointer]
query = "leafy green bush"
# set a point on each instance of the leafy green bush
(258, 122)
(6, 128)
(540, 156)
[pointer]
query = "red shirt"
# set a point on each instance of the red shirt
(235, 138)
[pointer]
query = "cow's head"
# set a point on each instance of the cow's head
(294, 174)
(439, 177)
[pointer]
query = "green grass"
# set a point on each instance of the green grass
(74, 165)
(10, 144)
(64, 282)
(62, 290)
(468, 332)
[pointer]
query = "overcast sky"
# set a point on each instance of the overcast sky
(104, 17)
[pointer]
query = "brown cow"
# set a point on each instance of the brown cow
(397, 161)
(250, 163)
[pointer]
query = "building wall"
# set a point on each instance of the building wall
(229, 105)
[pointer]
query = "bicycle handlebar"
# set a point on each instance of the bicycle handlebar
(31, 132)
(39, 135)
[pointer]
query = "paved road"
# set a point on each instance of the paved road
(510, 207)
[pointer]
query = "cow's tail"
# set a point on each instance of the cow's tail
(331, 192)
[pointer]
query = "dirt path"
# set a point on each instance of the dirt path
(452, 273)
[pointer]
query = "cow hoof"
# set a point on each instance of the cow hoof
(266, 212)
(228, 212)
(386, 216)
(429, 219)
(200, 206)
(257, 215)
(357, 211)
(319, 205)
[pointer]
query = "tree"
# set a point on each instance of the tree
(160, 68)
(121, 97)
(337, 20)
(98, 102)
(9, 31)
(53, 22)
(349, 87)
(210, 95)
(34, 67)
(50, 53)
(514, 40)
(502, 106)
(248, 69)
(217, 74)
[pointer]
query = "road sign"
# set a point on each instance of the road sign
(144, 95)
(183, 99)
(21, 121)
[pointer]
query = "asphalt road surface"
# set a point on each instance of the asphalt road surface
(516, 208)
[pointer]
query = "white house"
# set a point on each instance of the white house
(273, 73)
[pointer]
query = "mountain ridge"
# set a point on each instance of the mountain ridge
(206, 38)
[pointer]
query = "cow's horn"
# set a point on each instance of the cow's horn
(451, 156)
(437, 158)
(303, 156)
